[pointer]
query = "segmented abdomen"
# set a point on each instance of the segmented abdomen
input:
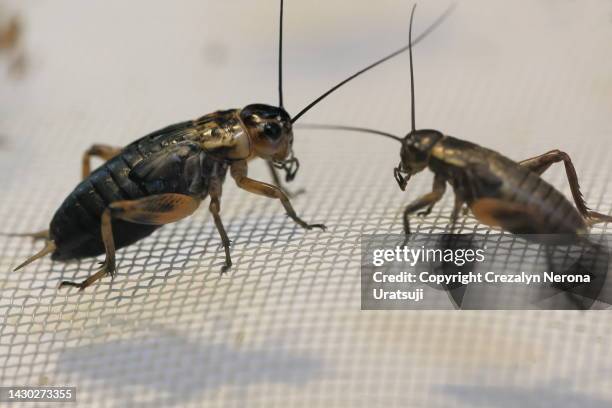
(503, 193)
(558, 215)
(75, 227)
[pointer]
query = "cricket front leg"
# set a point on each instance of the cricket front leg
(427, 200)
(278, 183)
(239, 173)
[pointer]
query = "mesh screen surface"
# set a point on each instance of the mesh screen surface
(284, 327)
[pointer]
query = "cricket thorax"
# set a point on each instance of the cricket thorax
(222, 134)
(239, 134)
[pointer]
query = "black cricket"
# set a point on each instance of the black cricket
(164, 176)
(499, 192)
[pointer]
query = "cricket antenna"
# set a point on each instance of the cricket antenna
(317, 126)
(424, 34)
(280, 56)
(411, 67)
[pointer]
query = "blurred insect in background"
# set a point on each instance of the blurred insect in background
(164, 176)
(11, 49)
(11, 41)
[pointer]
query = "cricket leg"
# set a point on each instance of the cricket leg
(238, 171)
(279, 184)
(153, 210)
(215, 209)
(104, 152)
(108, 266)
(540, 164)
(455, 214)
(427, 200)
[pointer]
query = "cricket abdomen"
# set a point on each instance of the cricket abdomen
(544, 210)
(502, 193)
(76, 226)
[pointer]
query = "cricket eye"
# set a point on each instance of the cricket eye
(272, 130)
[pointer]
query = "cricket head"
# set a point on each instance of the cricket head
(415, 154)
(271, 136)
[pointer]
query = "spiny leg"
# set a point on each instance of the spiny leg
(594, 217)
(277, 182)
(215, 209)
(540, 164)
(153, 210)
(429, 199)
(239, 173)
(104, 152)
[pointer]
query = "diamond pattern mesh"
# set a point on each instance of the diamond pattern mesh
(284, 327)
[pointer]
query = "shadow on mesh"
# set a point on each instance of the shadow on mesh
(543, 396)
(175, 370)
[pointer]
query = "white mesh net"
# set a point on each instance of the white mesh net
(284, 327)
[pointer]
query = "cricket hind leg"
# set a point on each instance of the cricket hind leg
(108, 266)
(104, 152)
(541, 163)
(153, 210)
(594, 217)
